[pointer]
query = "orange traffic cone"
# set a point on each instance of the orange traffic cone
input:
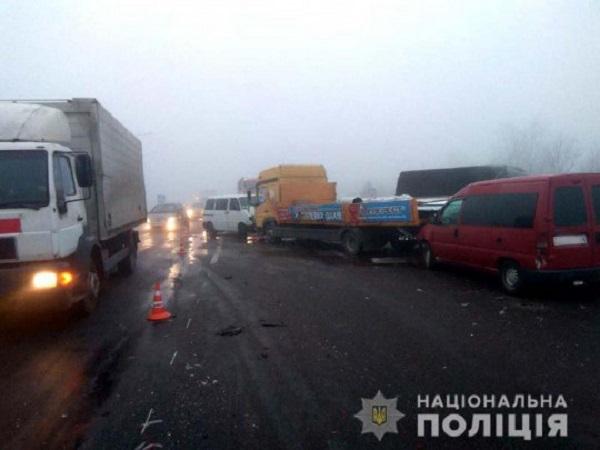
(181, 249)
(158, 312)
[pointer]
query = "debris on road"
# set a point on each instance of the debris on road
(148, 422)
(273, 324)
(464, 305)
(229, 331)
(264, 355)
(390, 260)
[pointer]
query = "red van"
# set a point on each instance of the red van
(525, 229)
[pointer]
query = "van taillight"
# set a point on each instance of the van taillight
(541, 247)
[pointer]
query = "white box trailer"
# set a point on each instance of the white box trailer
(71, 194)
(120, 195)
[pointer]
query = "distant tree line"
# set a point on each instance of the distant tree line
(536, 149)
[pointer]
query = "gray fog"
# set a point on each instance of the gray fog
(219, 90)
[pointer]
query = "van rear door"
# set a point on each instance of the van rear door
(594, 189)
(572, 232)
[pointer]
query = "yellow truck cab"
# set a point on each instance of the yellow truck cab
(291, 185)
(297, 201)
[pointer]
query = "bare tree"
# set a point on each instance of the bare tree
(536, 150)
(591, 159)
(561, 154)
(368, 190)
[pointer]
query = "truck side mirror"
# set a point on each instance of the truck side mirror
(84, 170)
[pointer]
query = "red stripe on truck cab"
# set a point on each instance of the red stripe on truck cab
(10, 226)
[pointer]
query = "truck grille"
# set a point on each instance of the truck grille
(8, 249)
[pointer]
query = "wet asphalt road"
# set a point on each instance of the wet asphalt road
(318, 331)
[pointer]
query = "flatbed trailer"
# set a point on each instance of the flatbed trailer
(298, 202)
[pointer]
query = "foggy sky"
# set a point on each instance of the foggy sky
(218, 90)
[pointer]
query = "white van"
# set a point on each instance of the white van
(228, 213)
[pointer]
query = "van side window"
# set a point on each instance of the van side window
(450, 213)
(596, 201)
(222, 204)
(569, 207)
(234, 204)
(514, 210)
(476, 210)
(210, 204)
(500, 210)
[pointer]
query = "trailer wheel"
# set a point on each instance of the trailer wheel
(512, 277)
(351, 242)
(128, 265)
(90, 302)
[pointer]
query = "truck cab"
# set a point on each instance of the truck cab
(290, 185)
(52, 193)
(42, 215)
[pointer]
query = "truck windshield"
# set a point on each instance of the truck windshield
(24, 179)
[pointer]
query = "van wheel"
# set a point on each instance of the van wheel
(351, 242)
(242, 230)
(429, 258)
(90, 302)
(512, 277)
(210, 230)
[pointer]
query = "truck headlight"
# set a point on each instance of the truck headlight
(45, 280)
(50, 280)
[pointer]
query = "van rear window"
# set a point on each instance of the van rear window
(515, 210)
(596, 201)
(569, 207)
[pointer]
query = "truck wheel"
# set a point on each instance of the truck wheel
(90, 301)
(351, 242)
(512, 277)
(270, 233)
(429, 258)
(242, 231)
(128, 265)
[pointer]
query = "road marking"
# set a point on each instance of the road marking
(215, 257)
(188, 324)
(173, 358)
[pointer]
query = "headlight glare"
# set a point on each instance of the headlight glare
(45, 280)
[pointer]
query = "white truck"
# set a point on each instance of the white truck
(71, 194)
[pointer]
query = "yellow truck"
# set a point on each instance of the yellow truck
(297, 201)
